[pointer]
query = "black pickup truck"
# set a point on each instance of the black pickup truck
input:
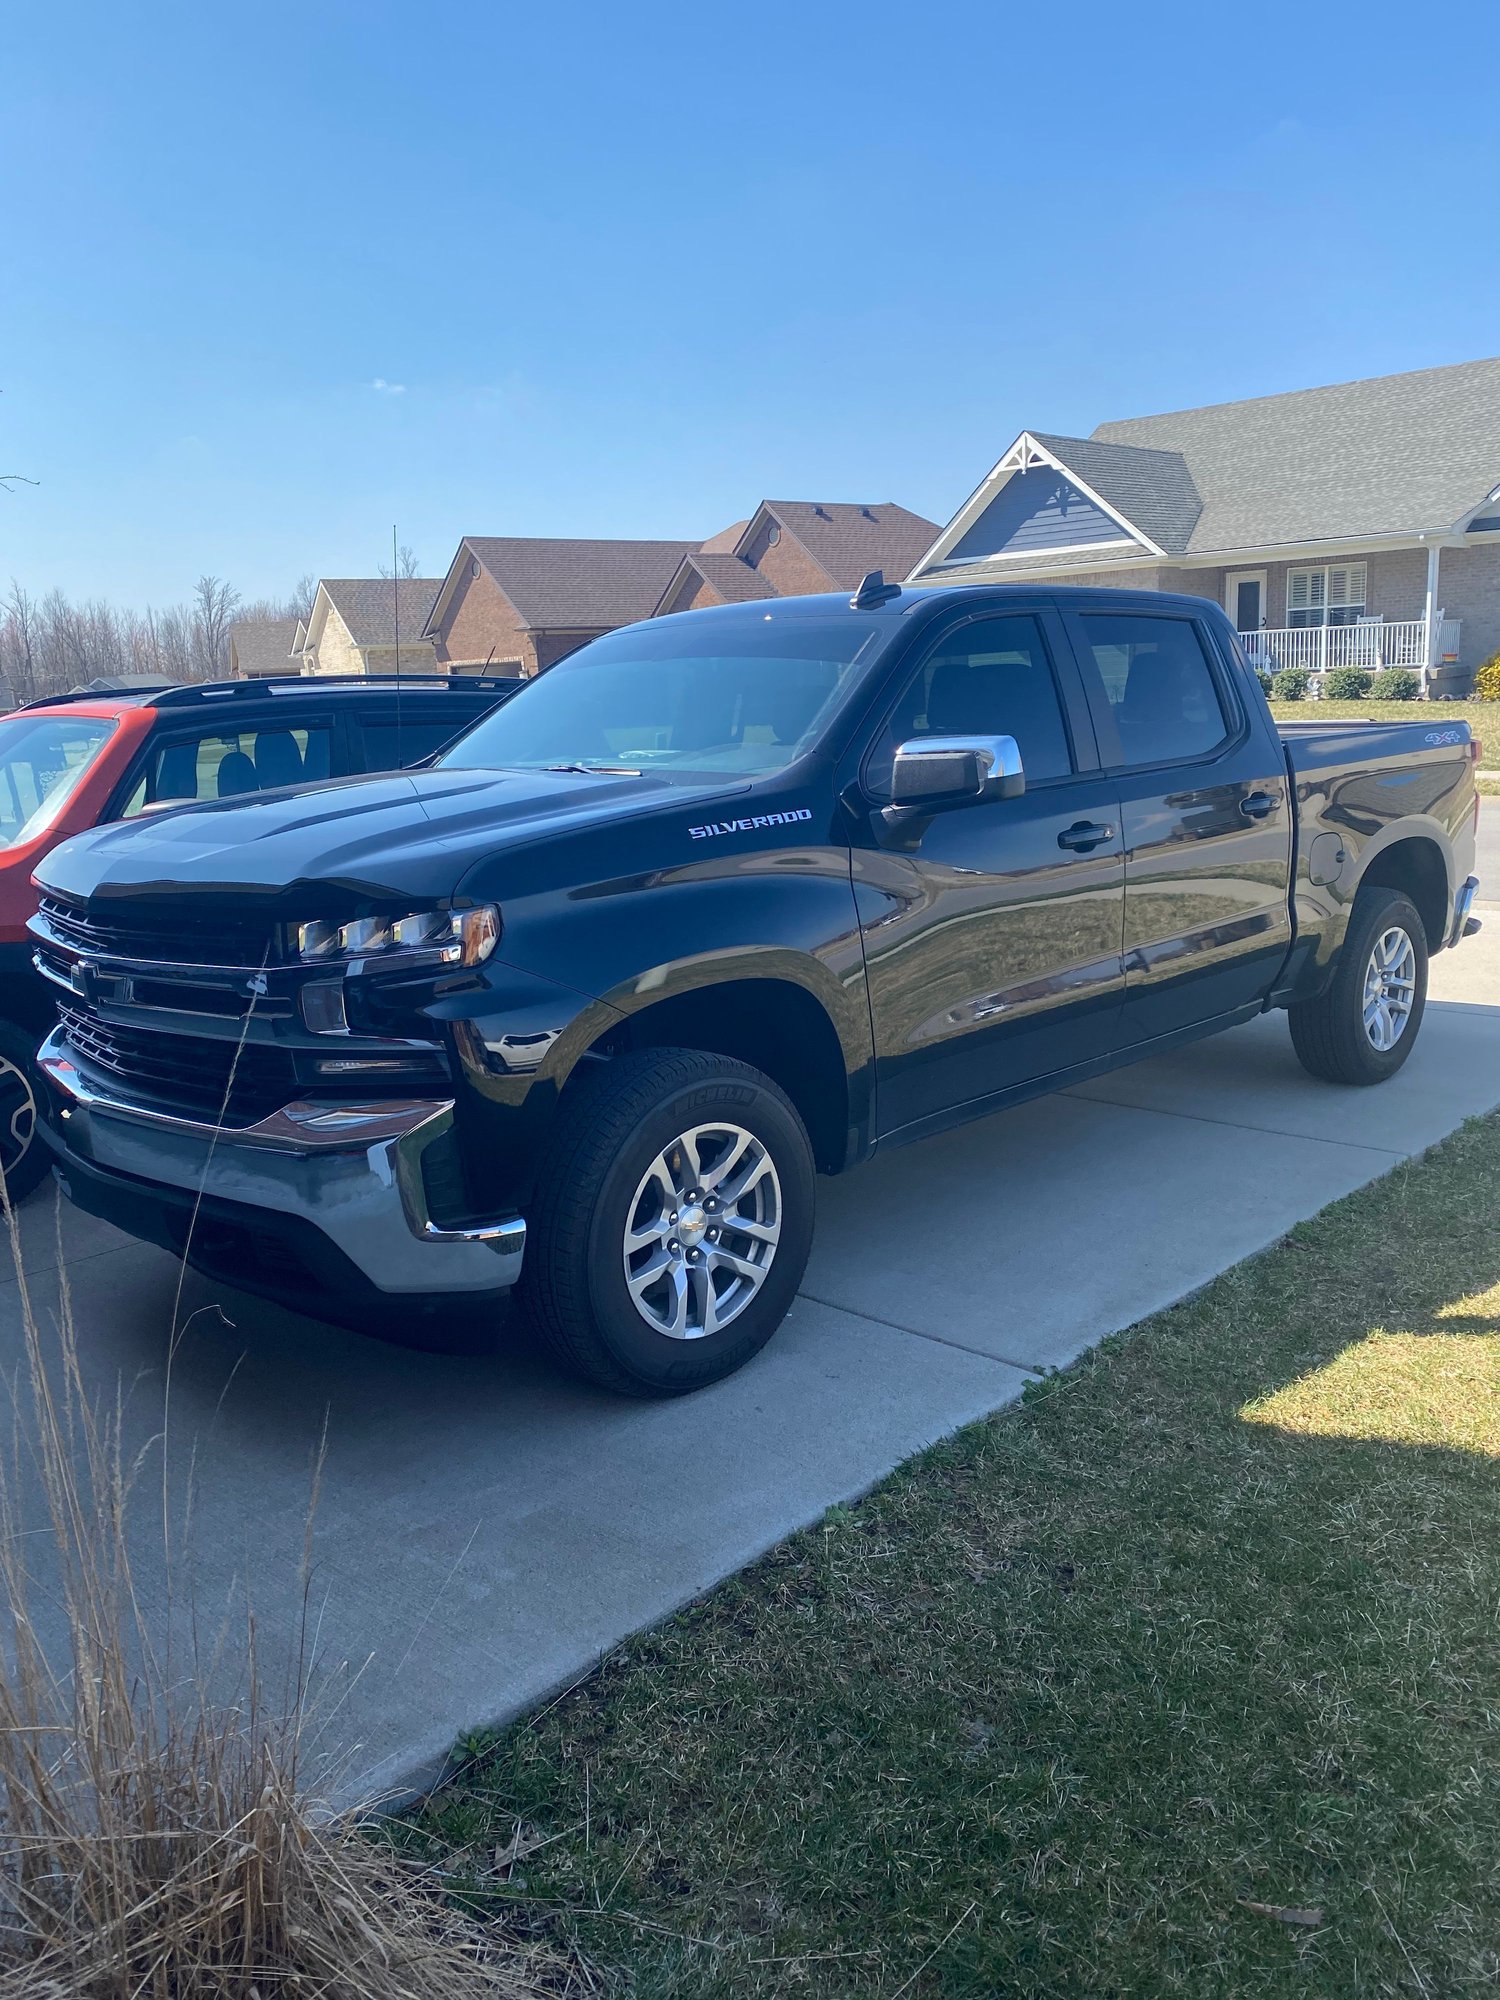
(719, 902)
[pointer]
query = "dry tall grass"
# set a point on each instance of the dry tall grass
(156, 1840)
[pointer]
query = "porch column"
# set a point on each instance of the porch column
(1429, 650)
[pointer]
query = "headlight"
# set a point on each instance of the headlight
(453, 937)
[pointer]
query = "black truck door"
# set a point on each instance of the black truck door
(1207, 820)
(991, 930)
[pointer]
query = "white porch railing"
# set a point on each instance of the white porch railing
(1396, 642)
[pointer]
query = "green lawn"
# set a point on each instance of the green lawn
(1180, 1679)
(1483, 715)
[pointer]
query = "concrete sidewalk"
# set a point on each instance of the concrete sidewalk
(486, 1530)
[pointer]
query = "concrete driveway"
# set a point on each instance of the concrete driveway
(486, 1530)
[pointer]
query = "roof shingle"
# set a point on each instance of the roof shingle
(368, 606)
(1396, 454)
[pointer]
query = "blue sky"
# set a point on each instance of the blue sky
(624, 270)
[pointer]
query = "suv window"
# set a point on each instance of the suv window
(42, 759)
(221, 765)
(388, 747)
(1156, 684)
(991, 677)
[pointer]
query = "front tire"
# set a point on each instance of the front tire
(24, 1159)
(1362, 1027)
(672, 1221)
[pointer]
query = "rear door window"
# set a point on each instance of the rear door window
(1152, 687)
(390, 746)
(222, 764)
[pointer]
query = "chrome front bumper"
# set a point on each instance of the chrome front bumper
(353, 1171)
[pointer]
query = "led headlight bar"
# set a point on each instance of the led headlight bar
(452, 937)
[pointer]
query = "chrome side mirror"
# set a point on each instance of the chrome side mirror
(932, 773)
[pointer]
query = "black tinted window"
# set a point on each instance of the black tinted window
(387, 746)
(991, 678)
(1158, 685)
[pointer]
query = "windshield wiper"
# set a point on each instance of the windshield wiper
(597, 770)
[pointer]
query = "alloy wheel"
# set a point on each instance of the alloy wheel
(1390, 989)
(702, 1231)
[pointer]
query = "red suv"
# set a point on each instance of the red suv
(79, 760)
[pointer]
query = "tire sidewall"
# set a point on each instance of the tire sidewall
(654, 1358)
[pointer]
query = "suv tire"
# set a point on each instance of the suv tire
(1362, 1026)
(671, 1223)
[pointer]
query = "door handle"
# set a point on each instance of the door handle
(1258, 805)
(1084, 834)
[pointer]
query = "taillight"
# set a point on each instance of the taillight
(1476, 749)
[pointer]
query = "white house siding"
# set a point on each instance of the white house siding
(1469, 588)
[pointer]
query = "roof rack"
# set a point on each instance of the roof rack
(82, 694)
(309, 684)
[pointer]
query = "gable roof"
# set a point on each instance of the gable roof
(1151, 489)
(368, 606)
(558, 585)
(1395, 457)
(847, 539)
(1396, 454)
(264, 645)
(733, 578)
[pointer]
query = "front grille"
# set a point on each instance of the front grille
(178, 937)
(188, 1074)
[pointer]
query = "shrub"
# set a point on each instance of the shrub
(155, 1836)
(1290, 684)
(1346, 684)
(1487, 680)
(1396, 684)
(1265, 677)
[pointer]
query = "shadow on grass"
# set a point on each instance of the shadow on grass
(1075, 1703)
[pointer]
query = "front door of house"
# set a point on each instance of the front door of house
(1245, 599)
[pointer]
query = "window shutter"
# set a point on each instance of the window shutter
(1346, 585)
(1304, 589)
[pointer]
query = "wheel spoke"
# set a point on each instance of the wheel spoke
(676, 1324)
(730, 1260)
(750, 1174)
(705, 1299)
(713, 1180)
(651, 1272)
(762, 1232)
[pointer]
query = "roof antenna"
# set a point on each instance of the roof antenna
(874, 590)
(396, 603)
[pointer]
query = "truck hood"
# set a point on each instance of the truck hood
(407, 835)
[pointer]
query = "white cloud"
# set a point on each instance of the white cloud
(384, 388)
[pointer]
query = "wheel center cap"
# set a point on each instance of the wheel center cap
(691, 1224)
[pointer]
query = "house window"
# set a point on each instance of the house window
(1332, 595)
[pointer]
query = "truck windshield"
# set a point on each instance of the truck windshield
(737, 697)
(42, 759)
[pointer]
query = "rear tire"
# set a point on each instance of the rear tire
(24, 1159)
(672, 1221)
(1363, 1025)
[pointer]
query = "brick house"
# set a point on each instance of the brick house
(791, 547)
(355, 622)
(1354, 525)
(512, 605)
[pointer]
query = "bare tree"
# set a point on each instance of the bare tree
(18, 641)
(406, 564)
(214, 602)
